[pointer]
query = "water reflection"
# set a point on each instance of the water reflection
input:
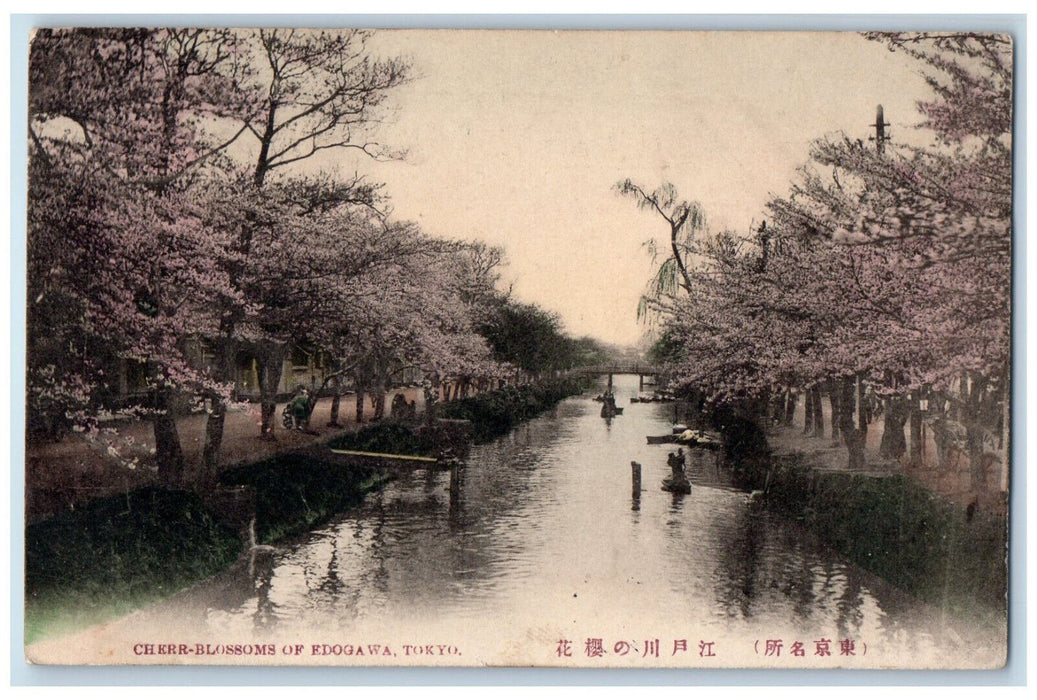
(538, 526)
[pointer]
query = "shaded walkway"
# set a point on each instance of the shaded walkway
(830, 454)
(65, 474)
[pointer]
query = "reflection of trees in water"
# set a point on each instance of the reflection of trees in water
(331, 584)
(770, 565)
(439, 533)
(433, 542)
(738, 565)
(261, 573)
(330, 590)
(456, 513)
(850, 615)
(244, 589)
(708, 468)
(814, 583)
(795, 573)
(380, 577)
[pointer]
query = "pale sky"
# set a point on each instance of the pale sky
(518, 138)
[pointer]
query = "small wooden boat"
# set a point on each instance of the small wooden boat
(691, 438)
(699, 438)
(675, 484)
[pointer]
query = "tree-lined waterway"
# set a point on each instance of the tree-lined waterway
(543, 542)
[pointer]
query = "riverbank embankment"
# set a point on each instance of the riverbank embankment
(949, 554)
(126, 550)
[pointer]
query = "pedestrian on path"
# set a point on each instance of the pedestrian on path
(301, 410)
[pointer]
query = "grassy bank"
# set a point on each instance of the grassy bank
(948, 555)
(391, 438)
(117, 554)
(491, 413)
(294, 493)
(494, 413)
(121, 553)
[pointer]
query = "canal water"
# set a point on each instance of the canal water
(543, 555)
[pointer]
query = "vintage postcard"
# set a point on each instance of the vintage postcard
(580, 349)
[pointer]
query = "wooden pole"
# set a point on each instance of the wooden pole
(455, 484)
(880, 136)
(635, 480)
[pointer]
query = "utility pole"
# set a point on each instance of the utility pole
(880, 136)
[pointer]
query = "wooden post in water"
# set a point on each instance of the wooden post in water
(455, 485)
(640, 383)
(635, 479)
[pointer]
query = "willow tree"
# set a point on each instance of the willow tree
(685, 219)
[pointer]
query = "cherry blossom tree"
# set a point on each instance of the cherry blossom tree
(312, 92)
(115, 151)
(883, 269)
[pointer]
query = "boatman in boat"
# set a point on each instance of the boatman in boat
(676, 464)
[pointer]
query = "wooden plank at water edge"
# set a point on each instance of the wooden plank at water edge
(382, 455)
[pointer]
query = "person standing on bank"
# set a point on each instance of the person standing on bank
(301, 410)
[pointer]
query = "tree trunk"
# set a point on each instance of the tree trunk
(761, 407)
(808, 411)
(778, 408)
(893, 445)
(835, 399)
(213, 439)
(336, 400)
(217, 411)
(431, 397)
(378, 401)
(974, 449)
(790, 407)
(168, 453)
(359, 405)
(959, 408)
(974, 433)
(271, 363)
(862, 407)
(819, 414)
(853, 437)
(916, 430)
(943, 437)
